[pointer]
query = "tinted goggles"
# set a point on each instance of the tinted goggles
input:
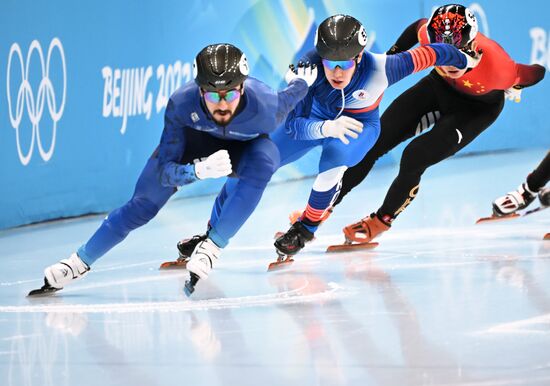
(343, 64)
(216, 96)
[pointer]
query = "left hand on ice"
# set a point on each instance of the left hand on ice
(513, 94)
(304, 71)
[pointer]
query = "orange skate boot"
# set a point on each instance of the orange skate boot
(358, 235)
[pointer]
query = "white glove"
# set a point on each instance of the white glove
(473, 56)
(513, 94)
(341, 127)
(214, 166)
(304, 71)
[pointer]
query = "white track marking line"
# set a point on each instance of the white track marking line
(288, 297)
(524, 326)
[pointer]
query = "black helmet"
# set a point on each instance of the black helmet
(340, 37)
(220, 67)
(452, 24)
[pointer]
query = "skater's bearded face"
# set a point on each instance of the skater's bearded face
(223, 104)
(339, 73)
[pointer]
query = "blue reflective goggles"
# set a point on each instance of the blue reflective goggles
(343, 64)
(216, 96)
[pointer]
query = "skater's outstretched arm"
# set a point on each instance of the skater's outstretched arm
(400, 65)
(409, 38)
(299, 80)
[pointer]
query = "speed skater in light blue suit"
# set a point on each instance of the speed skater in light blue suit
(343, 102)
(215, 126)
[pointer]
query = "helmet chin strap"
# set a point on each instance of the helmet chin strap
(356, 59)
(343, 103)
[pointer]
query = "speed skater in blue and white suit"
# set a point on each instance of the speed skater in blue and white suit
(343, 102)
(214, 126)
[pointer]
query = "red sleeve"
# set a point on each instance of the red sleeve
(528, 75)
(422, 33)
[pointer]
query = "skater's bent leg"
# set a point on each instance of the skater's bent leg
(258, 163)
(291, 149)
(227, 190)
(444, 140)
(147, 200)
(397, 125)
(324, 192)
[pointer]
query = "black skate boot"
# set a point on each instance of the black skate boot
(185, 249)
(289, 244)
(187, 246)
(293, 240)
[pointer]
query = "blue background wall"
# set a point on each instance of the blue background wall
(75, 130)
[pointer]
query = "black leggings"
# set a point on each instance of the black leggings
(459, 119)
(540, 176)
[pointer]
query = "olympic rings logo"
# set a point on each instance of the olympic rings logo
(35, 103)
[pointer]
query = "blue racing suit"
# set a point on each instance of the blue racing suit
(190, 133)
(359, 100)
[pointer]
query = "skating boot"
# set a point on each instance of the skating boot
(289, 244)
(58, 275)
(360, 234)
(513, 201)
(185, 249)
(201, 262)
(365, 230)
(508, 206)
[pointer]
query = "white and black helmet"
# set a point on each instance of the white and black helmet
(220, 67)
(340, 37)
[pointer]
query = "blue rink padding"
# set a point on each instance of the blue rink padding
(83, 89)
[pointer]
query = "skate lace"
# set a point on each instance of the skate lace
(295, 233)
(291, 234)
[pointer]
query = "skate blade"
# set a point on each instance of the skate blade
(535, 210)
(278, 265)
(350, 247)
(497, 218)
(546, 236)
(173, 265)
(45, 290)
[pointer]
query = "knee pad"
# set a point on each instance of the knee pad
(328, 179)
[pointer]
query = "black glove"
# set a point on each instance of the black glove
(393, 50)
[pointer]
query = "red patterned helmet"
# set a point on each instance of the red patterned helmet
(452, 24)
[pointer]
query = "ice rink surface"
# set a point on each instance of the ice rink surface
(441, 301)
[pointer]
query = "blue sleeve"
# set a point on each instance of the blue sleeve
(302, 128)
(299, 125)
(172, 146)
(405, 63)
(289, 98)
